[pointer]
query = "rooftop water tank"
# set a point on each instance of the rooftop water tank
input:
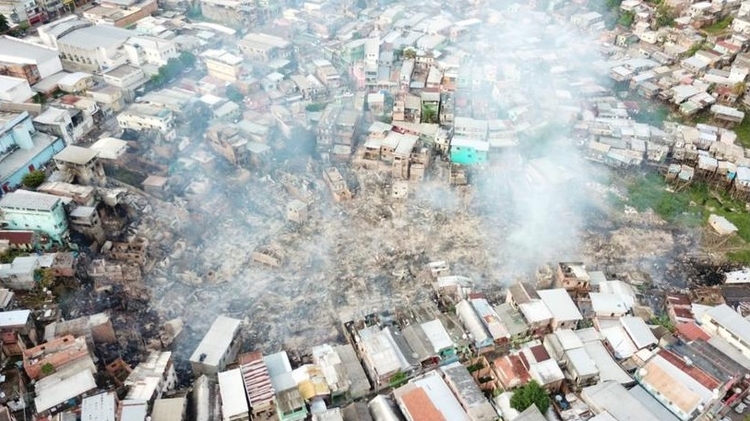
(22, 137)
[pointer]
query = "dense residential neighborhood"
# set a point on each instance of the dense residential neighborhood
(375, 210)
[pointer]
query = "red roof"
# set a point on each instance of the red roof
(512, 370)
(677, 298)
(682, 312)
(696, 373)
(69, 99)
(691, 331)
(18, 237)
(420, 407)
(540, 354)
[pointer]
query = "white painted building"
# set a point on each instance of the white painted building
(142, 50)
(726, 323)
(151, 378)
(218, 348)
(95, 47)
(147, 117)
(233, 399)
(13, 89)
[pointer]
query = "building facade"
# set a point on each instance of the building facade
(24, 210)
(22, 148)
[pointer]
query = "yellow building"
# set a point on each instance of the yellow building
(223, 65)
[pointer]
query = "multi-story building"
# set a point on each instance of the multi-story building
(94, 48)
(80, 165)
(20, 52)
(146, 117)
(382, 356)
(51, 32)
(327, 73)
(572, 276)
(26, 71)
(120, 16)
(85, 220)
(726, 323)
(227, 141)
(108, 98)
(290, 406)
(19, 274)
(565, 313)
(127, 78)
(70, 124)
(23, 148)
(13, 89)
(43, 360)
(372, 54)
(151, 378)
(143, 50)
(218, 348)
(52, 9)
(257, 386)
(239, 13)
(19, 12)
(222, 65)
(234, 405)
(24, 210)
(259, 46)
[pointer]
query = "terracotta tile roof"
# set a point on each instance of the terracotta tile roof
(420, 407)
(677, 299)
(512, 371)
(17, 237)
(684, 313)
(691, 331)
(540, 354)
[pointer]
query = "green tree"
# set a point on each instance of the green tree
(33, 179)
(187, 58)
(429, 115)
(234, 94)
(530, 394)
(398, 379)
(40, 98)
(4, 26)
(626, 19)
(695, 48)
(409, 54)
(739, 88)
(664, 15)
(199, 116)
(314, 107)
(45, 278)
(48, 369)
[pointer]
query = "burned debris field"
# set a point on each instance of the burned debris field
(254, 209)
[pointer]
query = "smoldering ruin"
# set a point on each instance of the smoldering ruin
(281, 240)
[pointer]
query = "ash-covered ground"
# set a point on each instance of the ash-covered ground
(524, 210)
(363, 255)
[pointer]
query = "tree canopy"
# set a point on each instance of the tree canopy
(33, 179)
(4, 26)
(234, 94)
(530, 394)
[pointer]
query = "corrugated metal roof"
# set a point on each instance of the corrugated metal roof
(232, 388)
(615, 399)
(727, 318)
(639, 331)
(560, 304)
(22, 199)
(99, 407)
